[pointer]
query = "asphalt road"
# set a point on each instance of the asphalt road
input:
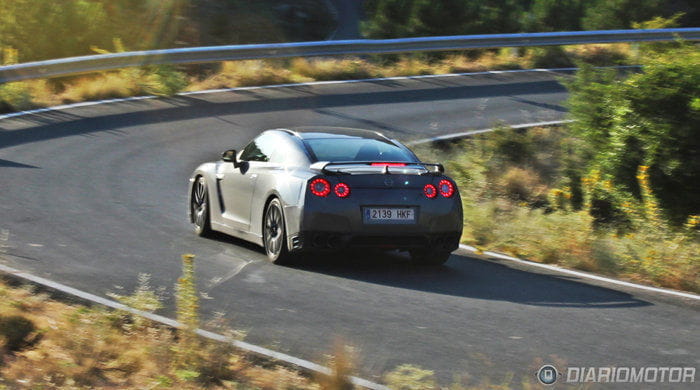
(92, 197)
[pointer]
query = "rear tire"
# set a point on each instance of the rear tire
(428, 257)
(199, 207)
(275, 235)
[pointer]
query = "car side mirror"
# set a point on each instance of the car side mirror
(230, 156)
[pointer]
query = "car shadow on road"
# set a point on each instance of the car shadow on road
(470, 277)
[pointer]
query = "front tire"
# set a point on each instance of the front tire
(274, 234)
(429, 258)
(199, 208)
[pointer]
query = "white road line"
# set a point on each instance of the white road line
(173, 323)
(64, 107)
(584, 275)
(452, 136)
(312, 83)
(4, 238)
(397, 78)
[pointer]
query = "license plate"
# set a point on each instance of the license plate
(389, 215)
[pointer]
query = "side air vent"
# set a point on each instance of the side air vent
(296, 242)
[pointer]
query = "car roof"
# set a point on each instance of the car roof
(316, 132)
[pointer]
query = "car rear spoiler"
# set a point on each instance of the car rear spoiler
(431, 168)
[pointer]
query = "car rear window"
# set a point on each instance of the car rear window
(357, 149)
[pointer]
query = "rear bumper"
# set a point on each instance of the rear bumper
(332, 223)
(323, 241)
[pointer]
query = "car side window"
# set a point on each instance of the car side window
(260, 149)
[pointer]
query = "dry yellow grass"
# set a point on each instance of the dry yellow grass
(74, 346)
(104, 86)
(244, 73)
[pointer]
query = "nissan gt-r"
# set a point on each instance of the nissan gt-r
(327, 189)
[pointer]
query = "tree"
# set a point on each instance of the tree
(556, 15)
(388, 19)
(448, 17)
(620, 14)
(404, 18)
(41, 29)
(650, 119)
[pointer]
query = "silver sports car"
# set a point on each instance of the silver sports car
(327, 189)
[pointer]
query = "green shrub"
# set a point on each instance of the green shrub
(551, 57)
(555, 15)
(647, 119)
(163, 80)
(523, 185)
(15, 97)
(620, 14)
(534, 195)
(598, 55)
(43, 29)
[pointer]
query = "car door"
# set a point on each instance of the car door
(237, 184)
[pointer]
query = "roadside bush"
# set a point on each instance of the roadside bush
(559, 237)
(162, 80)
(523, 185)
(620, 14)
(600, 55)
(555, 15)
(15, 97)
(648, 119)
(532, 194)
(657, 256)
(550, 57)
(404, 18)
(43, 29)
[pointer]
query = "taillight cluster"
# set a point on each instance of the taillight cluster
(430, 191)
(322, 187)
(341, 190)
(445, 188)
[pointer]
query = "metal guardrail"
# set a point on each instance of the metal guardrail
(86, 64)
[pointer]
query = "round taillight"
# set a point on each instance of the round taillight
(341, 190)
(446, 187)
(430, 191)
(320, 187)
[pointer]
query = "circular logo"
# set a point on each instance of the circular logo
(388, 182)
(547, 374)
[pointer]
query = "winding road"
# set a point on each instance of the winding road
(94, 196)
